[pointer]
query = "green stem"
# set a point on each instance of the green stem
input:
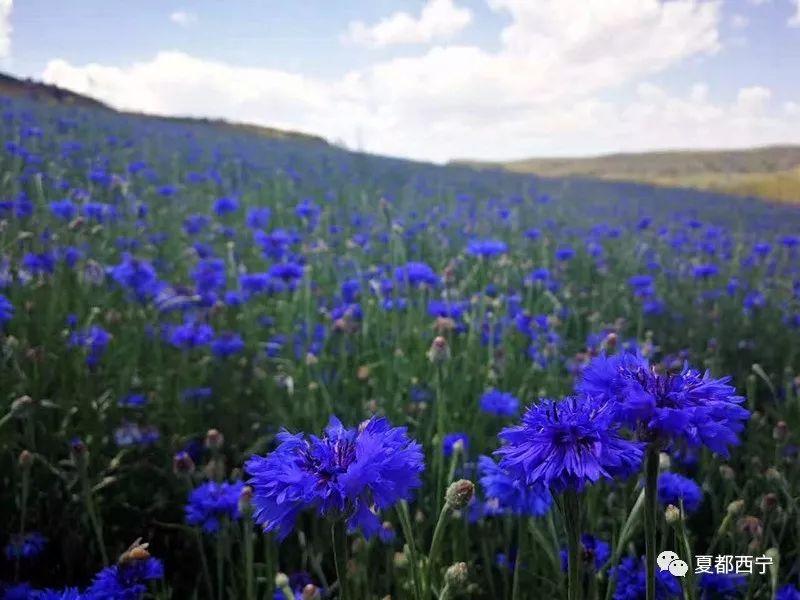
(436, 545)
(683, 536)
(650, 512)
(97, 527)
(250, 590)
(515, 593)
(572, 523)
(204, 562)
(445, 593)
(220, 567)
(408, 533)
(339, 538)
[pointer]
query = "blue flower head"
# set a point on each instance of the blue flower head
(720, 586)
(674, 488)
(348, 473)
(127, 580)
(688, 405)
(787, 592)
(26, 546)
(487, 248)
(501, 404)
(416, 274)
(6, 310)
(511, 493)
(594, 553)
(567, 445)
(451, 439)
(212, 502)
(65, 594)
(631, 582)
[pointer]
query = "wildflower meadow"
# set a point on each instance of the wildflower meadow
(242, 367)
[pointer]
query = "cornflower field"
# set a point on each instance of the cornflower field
(251, 368)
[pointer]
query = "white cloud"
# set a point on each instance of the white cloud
(5, 27)
(438, 20)
(543, 92)
(794, 20)
(183, 18)
(739, 21)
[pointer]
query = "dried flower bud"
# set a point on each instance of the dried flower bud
(672, 514)
(727, 473)
(22, 403)
(456, 575)
(780, 432)
(769, 502)
(281, 580)
(214, 439)
(310, 592)
(25, 460)
(751, 526)
(772, 474)
(735, 508)
(136, 552)
(400, 560)
(182, 463)
(439, 351)
(664, 461)
(459, 493)
(245, 500)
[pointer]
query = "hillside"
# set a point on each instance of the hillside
(13, 87)
(769, 172)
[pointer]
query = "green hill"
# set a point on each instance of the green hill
(769, 172)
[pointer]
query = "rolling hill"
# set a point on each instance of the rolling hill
(14, 87)
(770, 172)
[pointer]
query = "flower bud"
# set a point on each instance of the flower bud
(772, 474)
(735, 508)
(400, 560)
(727, 473)
(214, 439)
(182, 463)
(310, 592)
(672, 514)
(456, 575)
(769, 502)
(439, 351)
(25, 460)
(281, 580)
(459, 493)
(664, 461)
(245, 500)
(780, 432)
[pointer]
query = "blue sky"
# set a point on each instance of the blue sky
(436, 79)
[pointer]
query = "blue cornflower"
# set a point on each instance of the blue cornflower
(345, 473)
(137, 276)
(565, 253)
(94, 340)
(225, 206)
(63, 209)
(416, 274)
(631, 581)
(65, 594)
(568, 445)
(209, 275)
(674, 488)
(42, 263)
(687, 405)
(127, 580)
(511, 493)
(275, 244)
(705, 271)
(194, 224)
(787, 592)
(196, 394)
(227, 344)
(190, 335)
(18, 591)
(288, 272)
(133, 400)
(131, 434)
(501, 404)
(213, 502)
(6, 310)
(487, 248)
(451, 439)
(594, 553)
(258, 217)
(720, 586)
(28, 545)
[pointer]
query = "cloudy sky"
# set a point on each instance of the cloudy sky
(435, 79)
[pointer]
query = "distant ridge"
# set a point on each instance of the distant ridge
(14, 87)
(769, 172)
